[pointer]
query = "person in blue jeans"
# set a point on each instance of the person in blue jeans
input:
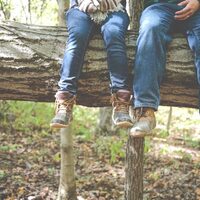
(83, 19)
(158, 20)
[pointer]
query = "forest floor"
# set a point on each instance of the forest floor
(30, 164)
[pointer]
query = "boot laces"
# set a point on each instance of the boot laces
(66, 105)
(122, 106)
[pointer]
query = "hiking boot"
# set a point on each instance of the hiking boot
(121, 103)
(145, 122)
(64, 105)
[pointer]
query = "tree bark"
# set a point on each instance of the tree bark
(105, 125)
(134, 169)
(134, 9)
(62, 6)
(30, 57)
(169, 120)
(135, 146)
(67, 187)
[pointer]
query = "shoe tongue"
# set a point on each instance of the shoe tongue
(63, 95)
(123, 95)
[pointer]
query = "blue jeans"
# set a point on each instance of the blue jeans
(156, 26)
(81, 28)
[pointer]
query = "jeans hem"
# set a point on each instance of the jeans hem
(146, 105)
(114, 90)
(67, 91)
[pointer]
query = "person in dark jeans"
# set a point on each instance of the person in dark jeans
(158, 20)
(83, 19)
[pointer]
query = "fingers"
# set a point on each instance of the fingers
(183, 3)
(182, 17)
(103, 5)
(190, 7)
(184, 13)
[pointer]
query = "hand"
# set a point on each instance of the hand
(191, 6)
(87, 6)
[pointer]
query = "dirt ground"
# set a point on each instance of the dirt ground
(30, 163)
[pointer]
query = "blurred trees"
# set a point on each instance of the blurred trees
(5, 8)
(62, 6)
(40, 12)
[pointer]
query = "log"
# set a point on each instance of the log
(30, 58)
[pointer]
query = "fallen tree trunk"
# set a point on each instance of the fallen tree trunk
(30, 57)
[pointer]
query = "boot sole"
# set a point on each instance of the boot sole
(57, 125)
(124, 124)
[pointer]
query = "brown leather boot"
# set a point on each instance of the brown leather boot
(145, 122)
(121, 103)
(64, 105)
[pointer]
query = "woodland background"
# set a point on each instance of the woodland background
(30, 151)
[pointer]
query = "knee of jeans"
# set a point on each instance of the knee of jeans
(78, 34)
(77, 43)
(113, 34)
(149, 25)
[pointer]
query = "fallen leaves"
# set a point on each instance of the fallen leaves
(30, 171)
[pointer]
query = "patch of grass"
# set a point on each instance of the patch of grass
(192, 141)
(116, 150)
(2, 174)
(163, 134)
(51, 171)
(112, 146)
(197, 166)
(85, 122)
(147, 145)
(57, 157)
(26, 116)
(9, 147)
(186, 157)
(154, 176)
(164, 149)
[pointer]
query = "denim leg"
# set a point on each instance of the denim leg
(193, 36)
(79, 27)
(113, 32)
(156, 24)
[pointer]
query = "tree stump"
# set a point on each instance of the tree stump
(134, 169)
(67, 187)
(135, 146)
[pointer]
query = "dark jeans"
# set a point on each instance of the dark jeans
(81, 28)
(156, 26)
